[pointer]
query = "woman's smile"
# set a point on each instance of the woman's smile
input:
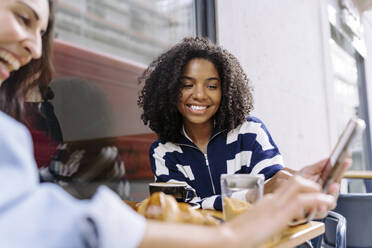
(197, 109)
(8, 63)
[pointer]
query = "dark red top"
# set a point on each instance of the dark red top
(45, 131)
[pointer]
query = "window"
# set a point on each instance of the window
(138, 30)
(350, 96)
(102, 47)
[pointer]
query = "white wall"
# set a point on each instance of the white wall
(282, 45)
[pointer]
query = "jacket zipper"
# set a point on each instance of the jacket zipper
(206, 159)
(210, 174)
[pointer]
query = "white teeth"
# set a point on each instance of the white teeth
(13, 63)
(3, 65)
(195, 107)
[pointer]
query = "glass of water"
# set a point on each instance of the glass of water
(239, 192)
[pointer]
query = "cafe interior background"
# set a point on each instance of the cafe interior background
(308, 61)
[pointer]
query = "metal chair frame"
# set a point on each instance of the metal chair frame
(335, 232)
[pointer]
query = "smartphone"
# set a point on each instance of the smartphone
(334, 168)
(340, 152)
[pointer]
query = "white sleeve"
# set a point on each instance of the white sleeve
(118, 225)
(46, 216)
(18, 168)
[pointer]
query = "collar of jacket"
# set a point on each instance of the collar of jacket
(185, 140)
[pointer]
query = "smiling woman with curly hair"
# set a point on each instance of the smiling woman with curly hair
(163, 76)
(197, 98)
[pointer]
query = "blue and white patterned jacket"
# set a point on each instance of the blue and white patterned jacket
(247, 149)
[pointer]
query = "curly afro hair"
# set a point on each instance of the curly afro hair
(160, 94)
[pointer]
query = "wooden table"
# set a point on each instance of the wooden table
(359, 174)
(288, 238)
(293, 236)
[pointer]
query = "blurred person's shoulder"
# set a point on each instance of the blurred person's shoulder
(10, 127)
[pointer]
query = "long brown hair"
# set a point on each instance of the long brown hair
(14, 89)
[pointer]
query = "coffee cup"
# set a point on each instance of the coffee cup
(178, 189)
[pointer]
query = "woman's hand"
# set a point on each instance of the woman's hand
(317, 172)
(277, 180)
(313, 172)
(292, 200)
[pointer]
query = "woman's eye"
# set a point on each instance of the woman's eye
(212, 86)
(25, 20)
(187, 85)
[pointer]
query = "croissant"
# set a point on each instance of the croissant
(162, 207)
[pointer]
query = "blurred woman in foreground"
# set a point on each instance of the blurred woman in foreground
(25, 94)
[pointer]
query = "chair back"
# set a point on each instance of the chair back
(335, 231)
(368, 184)
(357, 209)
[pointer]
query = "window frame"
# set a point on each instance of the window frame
(205, 19)
(347, 46)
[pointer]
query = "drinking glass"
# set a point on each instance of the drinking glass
(239, 192)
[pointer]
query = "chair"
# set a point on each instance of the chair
(335, 232)
(356, 208)
(368, 184)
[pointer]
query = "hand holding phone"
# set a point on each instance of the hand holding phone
(334, 168)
